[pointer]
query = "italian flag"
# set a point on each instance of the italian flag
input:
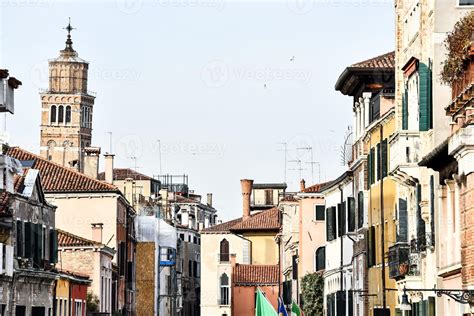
(296, 310)
(263, 306)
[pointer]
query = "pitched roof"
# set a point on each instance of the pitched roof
(265, 220)
(57, 178)
(317, 187)
(222, 228)
(124, 173)
(383, 61)
(66, 239)
(250, 274)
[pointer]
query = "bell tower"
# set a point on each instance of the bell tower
(66, 109)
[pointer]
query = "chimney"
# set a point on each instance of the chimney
(302, 185)
(109, 168)
(91, 161)
(209, 199)
(246, 185)
(97, 229)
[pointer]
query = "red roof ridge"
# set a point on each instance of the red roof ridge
(255, 274)
(74, 240)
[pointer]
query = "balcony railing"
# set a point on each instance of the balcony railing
(422, 242)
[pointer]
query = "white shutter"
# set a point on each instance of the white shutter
(9, 260)
(246, 252)
(2, 260)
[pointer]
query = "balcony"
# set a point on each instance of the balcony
(398, 260)
(405, 150)
(422, 242)
(460, 85)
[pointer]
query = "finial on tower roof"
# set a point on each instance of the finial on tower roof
(69, 28)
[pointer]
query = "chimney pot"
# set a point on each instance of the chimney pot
(209, 199)
(246, 185)
(97, 229)
(109, 168)
(302, 185)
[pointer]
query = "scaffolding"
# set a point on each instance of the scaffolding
(153, 229)
(174, 183)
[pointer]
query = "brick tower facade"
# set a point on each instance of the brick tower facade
(67, 106)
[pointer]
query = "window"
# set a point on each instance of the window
(224, 251)
(181, 236)
(268, 197)
(52, 114)
(319, 212)
(320, 259)
(341, 218)
(68, 114)
(195, 240)
(224, 282)
(60, 114)
(466, 2)
(371, 246)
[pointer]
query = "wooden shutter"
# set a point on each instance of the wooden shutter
(19, 238)
(121, 258)
(369, 169)
(344, 219)
(29, 240)
(319, 212)
(339, 220)
(402, 221)
(405, 108)
(329, 224)
(39, 244)
(340, 303)
(246, 252)
(378, 162)
(384, 158)
(53, 246)
(424, 73)
(224, 251)
(360, 209)
(351, 211)
(371, 246)
(372, 165)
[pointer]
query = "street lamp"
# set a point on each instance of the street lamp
(405, 304)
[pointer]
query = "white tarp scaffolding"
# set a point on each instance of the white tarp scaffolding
(150, 228)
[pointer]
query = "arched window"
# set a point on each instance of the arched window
(224, 287)
(68, 114)
(320, 259)
(52, 114)
(224, 251)
(60, 114)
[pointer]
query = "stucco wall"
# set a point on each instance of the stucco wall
(247, 294)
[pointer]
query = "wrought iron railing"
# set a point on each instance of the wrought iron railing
(422, 242)
(399, 260)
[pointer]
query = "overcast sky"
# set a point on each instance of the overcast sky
(221, 83)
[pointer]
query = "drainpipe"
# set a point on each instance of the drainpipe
(342, 241)
(382, 220)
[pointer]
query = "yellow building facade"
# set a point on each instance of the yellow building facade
(382, 224)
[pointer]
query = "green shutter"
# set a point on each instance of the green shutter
(329, 232)
(405, 109)
(29, 240)
(372, 165)
(39, 244)
(425, 101)
(360, 209)
(53, 246)
(369, 169)
(384, 158)
(351, 214)
(378, 162)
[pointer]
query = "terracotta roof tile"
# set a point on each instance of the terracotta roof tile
(317, 187)
(222, 228)
(124, 173)
(266, 220)
(250, 274)
(383, 61)
(56, 178)
(66, 239)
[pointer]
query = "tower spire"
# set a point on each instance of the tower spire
(69, 28)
